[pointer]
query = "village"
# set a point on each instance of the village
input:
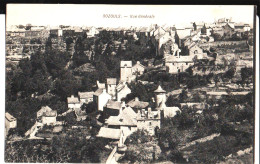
(185, 76)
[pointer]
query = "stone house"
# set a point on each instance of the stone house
(85, 97)
(46, 115)
(100, 98)
(149, 120)
(73, 102)
(125, 121)
(228, 30)
(194, 50)
(176, 64)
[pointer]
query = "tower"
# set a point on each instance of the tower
(160, 96)
(125, 70)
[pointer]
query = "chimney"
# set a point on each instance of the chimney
(136, 99)
(138, 62)
(72, 96)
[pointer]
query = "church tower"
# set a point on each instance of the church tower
(160, 96)
(125, 70)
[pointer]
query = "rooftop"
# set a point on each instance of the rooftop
(180, 59)
(159, 90)
(83, 95)
(98, 92)
(73, 100)
(126, 64)
(52, 113)
(111, 81)
(109, 133)
(127, 117)
(135, 103)
(113, 104)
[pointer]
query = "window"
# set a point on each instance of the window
(196, 51)
(150, 123)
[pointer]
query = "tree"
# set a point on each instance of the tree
(183, 96)
(66, 85)
(216, 36)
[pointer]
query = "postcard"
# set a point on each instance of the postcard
(130, 83)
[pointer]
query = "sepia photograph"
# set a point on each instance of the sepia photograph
(130, 84)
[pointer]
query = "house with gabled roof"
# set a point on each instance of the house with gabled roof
(85, 97)
(176, 64)
(126, 121)
(46, 115)
(122, 90)
(100, 98)
(138, 68)
(194, 49)
(228, 30)
(73, 102)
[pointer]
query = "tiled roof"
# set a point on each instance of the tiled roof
(73, 100)
(121, 86)
(45, 109)
(109, 133)
(127, 118)
(138, 104)
(9, 117)
(83, 95)
(98, 92)
(111, 81)
(52, 113)
(181, 59)
(113, 104)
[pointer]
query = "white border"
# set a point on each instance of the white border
(2, 88)
(257, 93)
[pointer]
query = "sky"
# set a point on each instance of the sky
(92, 15)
